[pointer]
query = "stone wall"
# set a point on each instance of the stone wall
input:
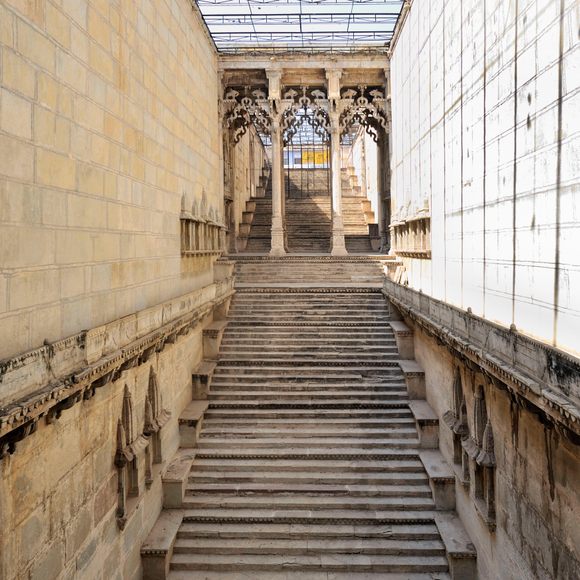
(485, 101)
(108, 118)
(108, 130)
(532, 532)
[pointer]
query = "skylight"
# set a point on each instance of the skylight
(300, 25)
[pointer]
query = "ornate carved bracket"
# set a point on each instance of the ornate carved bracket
(367, 107)
(315, 106)
(241, 108)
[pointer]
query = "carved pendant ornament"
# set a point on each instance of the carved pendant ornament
(305, 105)
(241, 110)
(363, 106)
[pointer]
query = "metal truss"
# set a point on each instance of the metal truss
(308, 25)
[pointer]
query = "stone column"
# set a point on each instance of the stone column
(337, 244)
(385, 157)
(277, 247)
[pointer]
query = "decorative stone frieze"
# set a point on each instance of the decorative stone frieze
(243, 106)
(55, 385)
(539, 376)
(314, 104)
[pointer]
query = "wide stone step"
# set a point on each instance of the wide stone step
(331, 467)
(309, 350)
(319, 445)
(310, 396)
(284, 369)
(309, 489)
(395, 431)
(299, 575)
(339, 424)
(293, 531)
(311, 503)
(347, 412)
(307, 563)
(310, 546)
(220, 386)
(262, 475)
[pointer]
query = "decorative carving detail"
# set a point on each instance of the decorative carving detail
(131, 450)
(155, 416)
(367, 107)
(241, 110)
(314, 105)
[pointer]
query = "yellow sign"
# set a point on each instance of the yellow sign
(314, 157)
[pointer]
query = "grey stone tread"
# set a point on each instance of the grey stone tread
(281, 464)
(309, 562)
(310, 395)
(308, 502)
(356, 490)
(358, 445)
(299, 575)
(280, 531)
(306, 423)
(297, 477)
(386, 431)
(310, 546)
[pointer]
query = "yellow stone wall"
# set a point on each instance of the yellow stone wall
(108, 116)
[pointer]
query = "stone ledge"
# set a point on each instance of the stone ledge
(441, 479)
(190, 422)
(414, 379)
(157, 549)
(427, 424)
(174, 480)
(458, 547)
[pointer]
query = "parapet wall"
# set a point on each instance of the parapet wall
(520, 514)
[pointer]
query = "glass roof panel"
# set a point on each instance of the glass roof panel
(300, 25)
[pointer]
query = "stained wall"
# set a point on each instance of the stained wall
(486, 136)
(108, 118)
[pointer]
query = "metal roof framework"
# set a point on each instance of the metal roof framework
(300, 25)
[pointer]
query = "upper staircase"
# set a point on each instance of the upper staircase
(309, 216)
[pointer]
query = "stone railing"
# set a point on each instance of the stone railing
(411, 238)
(201, 236)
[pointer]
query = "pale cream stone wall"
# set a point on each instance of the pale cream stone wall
(108, 123)
(108, 116)
(485, 136)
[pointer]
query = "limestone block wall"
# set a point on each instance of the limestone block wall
(58, 491)
(537, 497)
(485, 137)
(108, 116)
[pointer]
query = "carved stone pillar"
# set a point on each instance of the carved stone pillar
(337, 244)
(278, 246)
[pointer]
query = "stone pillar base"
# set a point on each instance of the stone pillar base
(278, 248)
(338, 243)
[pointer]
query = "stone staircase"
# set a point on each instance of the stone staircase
(309, 218)
(308, 461)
